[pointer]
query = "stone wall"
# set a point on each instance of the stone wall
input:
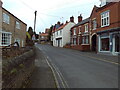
(16, 72)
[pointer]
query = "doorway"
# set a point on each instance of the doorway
(94, 37)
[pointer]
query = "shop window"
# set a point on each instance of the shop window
(104, 44)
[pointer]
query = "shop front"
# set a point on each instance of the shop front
(109, 41)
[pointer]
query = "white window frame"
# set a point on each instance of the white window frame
(6, 18)
(17, 25)
(86, 27)
(18, 40)
(79, 29)
(104, 16)
(74, 31)
(7, 38)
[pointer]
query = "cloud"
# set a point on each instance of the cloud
(48, 11)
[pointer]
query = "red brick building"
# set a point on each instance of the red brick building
(103, 34)
(80, 35)
(108, 28)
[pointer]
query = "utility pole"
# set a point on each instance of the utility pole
(35, 20)
(33, 37)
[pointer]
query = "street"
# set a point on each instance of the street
(79, 71)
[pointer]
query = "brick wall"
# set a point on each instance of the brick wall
(114, 18)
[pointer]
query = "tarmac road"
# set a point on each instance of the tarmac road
(77, 70)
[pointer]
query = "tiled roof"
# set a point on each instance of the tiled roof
(82, 22)
(61, 27)
(44, 34)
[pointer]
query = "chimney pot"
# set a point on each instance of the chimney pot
(1, 3)
(72, 19)
(80, 18)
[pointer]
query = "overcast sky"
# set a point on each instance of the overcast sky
(49, 11)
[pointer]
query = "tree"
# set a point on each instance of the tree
(50, 33)
(30, 31)
(29, 34)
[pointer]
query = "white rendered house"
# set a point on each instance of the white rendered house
(61, 36)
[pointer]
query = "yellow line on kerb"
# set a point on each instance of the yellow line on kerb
(101, 59)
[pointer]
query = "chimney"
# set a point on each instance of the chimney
(1, 3)
(66, 21)
(58, 22)
(80, 18)
(72, 19)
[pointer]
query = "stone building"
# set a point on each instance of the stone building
(13, 29)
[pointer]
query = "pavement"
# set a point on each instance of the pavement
(42, 76)
(75, 69)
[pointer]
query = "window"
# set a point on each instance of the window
(85, 40)
(6, 18)
(57, 33)
(74, 41)
(6, 39)
(17, 25)
(104, 44)
(80, 30)
(94, 24)
(17, 40)
(60, 32)
(105, 19)
(86, 27)
(42, 37)
(74, 31)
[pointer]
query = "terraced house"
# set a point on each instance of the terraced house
(105, 30)
(13, 29)
(80, 35)
(61, 36)
(100, 32)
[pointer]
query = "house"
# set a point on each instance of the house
(43, 37)
(61, 36)
(13, 29)
(56, 26)
(103, 30)
(108, 28)
(0, 17)
(80, 34)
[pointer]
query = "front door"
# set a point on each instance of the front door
(94, 42)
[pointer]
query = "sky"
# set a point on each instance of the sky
(49, 12)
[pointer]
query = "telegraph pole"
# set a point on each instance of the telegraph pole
(33, 37)
(35, 20)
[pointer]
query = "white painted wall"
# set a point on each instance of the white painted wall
(65, 35)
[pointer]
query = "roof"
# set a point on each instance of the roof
(82, 22)
(44, 34)
(61, 27)
(14, 16)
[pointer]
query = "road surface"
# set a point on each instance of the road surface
(76, 70)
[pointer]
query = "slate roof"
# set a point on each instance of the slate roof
(82, 22)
